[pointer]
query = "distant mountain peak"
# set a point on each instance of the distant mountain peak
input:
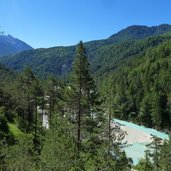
(10, 45)
(164, 25)
(10, 36)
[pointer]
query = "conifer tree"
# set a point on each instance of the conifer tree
(144, 114)
(58, 149)
(87, 115)
(156, 110)
(84, 92)
(155, 151)
(28, 92)
(166, 155)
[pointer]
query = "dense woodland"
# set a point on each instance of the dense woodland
(141, 89)
(131, 81)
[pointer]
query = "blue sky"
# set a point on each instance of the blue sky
(47, 23)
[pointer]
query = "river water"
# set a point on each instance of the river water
(136, 150)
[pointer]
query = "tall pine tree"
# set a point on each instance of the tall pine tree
(87, 117)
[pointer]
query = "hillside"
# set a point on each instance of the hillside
(104, 55)
(10, 45)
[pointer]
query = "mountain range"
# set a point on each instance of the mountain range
(104, 55)
(10, 45)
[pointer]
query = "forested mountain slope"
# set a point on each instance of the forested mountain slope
(5, 73)
(103, 54)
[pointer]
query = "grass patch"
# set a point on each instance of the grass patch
(15, 131)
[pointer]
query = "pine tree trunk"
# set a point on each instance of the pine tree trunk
(35, 130)
(79, 118)
(109, 125)
(79, 129)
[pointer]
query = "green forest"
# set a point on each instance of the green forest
(141, 88)
(79, 137)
